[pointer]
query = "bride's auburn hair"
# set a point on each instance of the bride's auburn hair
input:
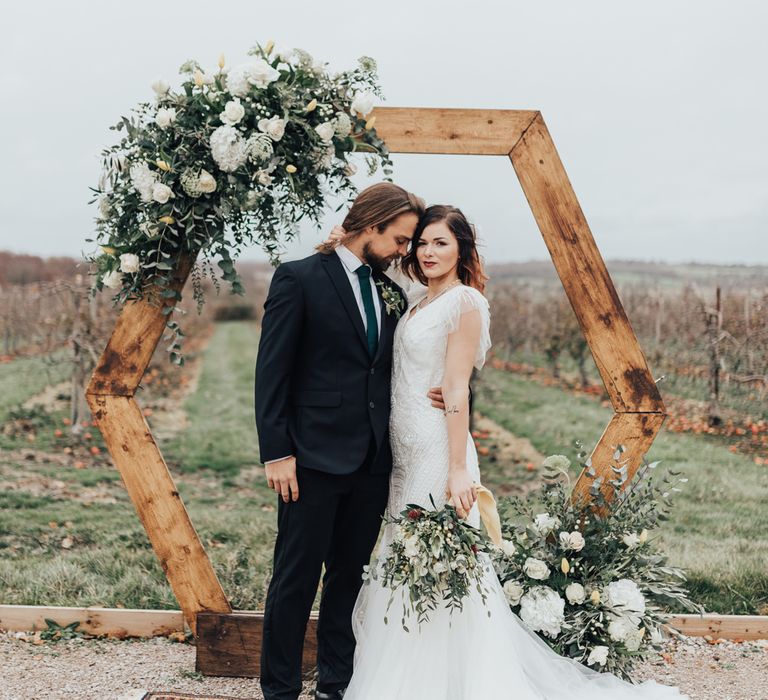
(470, 268)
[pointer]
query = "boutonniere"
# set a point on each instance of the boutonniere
(391, 298)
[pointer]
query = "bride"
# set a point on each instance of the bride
(470, 655)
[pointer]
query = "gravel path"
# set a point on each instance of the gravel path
(120, 670)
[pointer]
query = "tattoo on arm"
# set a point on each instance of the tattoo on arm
(451, 409)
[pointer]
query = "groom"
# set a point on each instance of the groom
(322, 412)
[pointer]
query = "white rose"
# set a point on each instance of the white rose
(625, 596)
(208, 79)
(113, 279)
(274, 127)
(535, 568)
(129, 262)
(572, 540)
(325, 131)
(508, 547)
(631, 540)
(542, 610)
(412, 546)
(161, 193)
(598, 655)
(284, 54)
(237, 81)
(362, 103)
(575, 593)
(233, 112)
(165, 117)
(160, 87)
(261, 74)
(514, 591)
(206, 182)
(544, 523)
(620, 627)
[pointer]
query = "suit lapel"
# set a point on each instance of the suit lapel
(335, 269)
(388, 320)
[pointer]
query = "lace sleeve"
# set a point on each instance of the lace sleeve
(469, 299)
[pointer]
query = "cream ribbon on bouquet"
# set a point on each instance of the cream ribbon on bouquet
(486, 504)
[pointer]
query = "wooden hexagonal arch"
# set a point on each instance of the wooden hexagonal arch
(524, 138)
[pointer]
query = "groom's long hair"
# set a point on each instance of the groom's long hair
(377, 205)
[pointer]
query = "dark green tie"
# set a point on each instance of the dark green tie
(364, 273)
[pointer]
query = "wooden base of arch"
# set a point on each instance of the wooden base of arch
(522, 136)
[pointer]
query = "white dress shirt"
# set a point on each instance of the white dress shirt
(351, 262)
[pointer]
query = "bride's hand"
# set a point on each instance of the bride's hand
(461, 492)
(336, 236)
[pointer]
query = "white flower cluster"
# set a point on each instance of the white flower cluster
(197, 182)
(228, 148)
(542, 609)
(243, 78)
(143, 180)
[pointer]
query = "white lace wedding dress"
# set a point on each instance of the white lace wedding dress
(475, 657)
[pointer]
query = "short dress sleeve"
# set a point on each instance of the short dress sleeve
(464, 300)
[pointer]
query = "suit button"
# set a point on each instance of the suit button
(373, 371)
(372, 405)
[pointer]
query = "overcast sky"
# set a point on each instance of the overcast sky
(658, 109)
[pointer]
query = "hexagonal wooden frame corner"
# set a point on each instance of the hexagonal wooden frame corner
(524, 138)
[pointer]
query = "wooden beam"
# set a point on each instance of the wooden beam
(488, 132)
(128, 622)
(138, 329)
(113, 622)
(230, 645)
(583, 273)
(733, 627)
(159, 505)
(636, 431)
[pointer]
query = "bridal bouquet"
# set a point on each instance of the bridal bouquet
(234, 156)
(594, 588)
(434, 558)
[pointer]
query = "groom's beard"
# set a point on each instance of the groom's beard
(377, 263)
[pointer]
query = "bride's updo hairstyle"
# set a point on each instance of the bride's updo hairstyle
(378, 205)
(470, 269)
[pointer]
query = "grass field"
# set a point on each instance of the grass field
(70, 536)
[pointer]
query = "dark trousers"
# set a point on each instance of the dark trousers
(335, 522)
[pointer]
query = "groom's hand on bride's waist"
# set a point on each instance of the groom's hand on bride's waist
(435, 395)
(281, 477)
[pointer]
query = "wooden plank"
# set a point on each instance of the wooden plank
(130, 622)
(451, 131)
(230, 645)
(114, 622)
(636, 431)
(138, 329)
(734, 627)
(582, 271)
(159, 506)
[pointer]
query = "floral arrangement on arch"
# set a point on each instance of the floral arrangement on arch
(591, 581)
(236, 156)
